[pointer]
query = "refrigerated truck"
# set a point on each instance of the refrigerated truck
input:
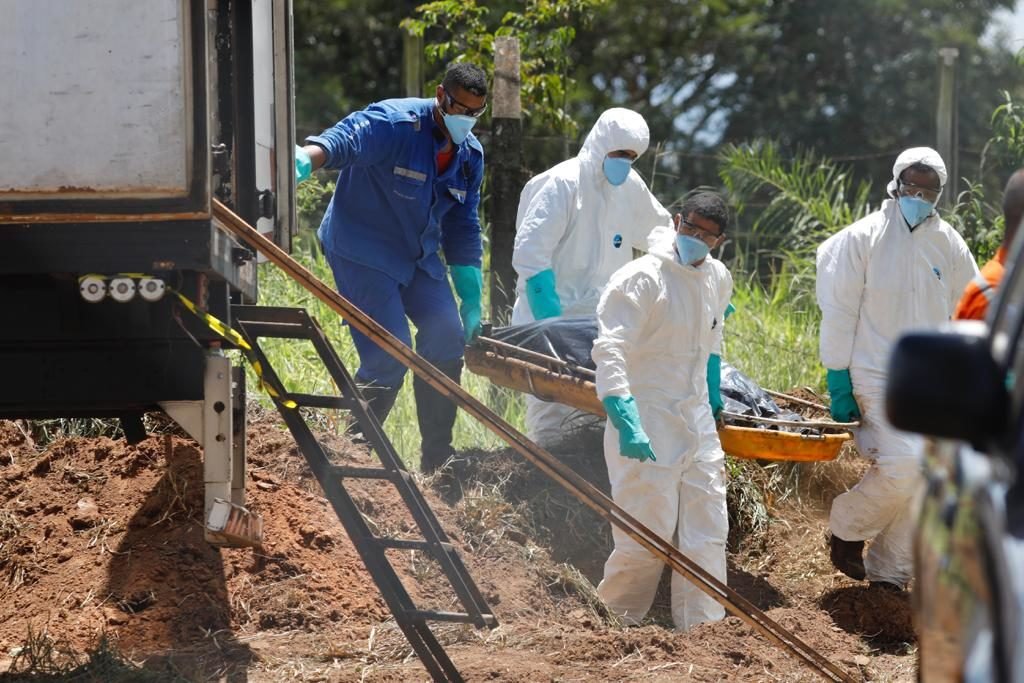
(120, 122)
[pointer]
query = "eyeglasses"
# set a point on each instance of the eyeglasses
(694, 230)
(466, 109)
(929, 194)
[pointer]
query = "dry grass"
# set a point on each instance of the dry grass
(13, 560)
(487, 518)
(172, 491)
(567, 579)
(283, 604)
(101, 535)
(42, 657)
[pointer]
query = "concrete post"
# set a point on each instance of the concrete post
(946, 122)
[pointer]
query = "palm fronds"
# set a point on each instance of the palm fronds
(801, 200)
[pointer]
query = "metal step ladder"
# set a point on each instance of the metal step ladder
(256, 322)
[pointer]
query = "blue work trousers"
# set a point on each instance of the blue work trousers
(427, 302)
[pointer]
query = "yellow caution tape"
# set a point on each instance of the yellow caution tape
(238, 340)
(213, 323)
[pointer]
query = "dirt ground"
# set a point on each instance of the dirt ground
(101, 550)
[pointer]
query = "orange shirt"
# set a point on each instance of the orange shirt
(982, 289)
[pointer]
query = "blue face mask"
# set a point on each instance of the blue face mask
(915, 210)
(458, 126)
(616, 169)
(689, 250)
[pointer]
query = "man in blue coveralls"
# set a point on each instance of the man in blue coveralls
(408, 188)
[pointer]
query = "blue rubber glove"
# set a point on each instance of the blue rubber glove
(542, 297)
(469, 285)
(303, 165)
(729, 310)
(633, 441)
(715, 384)
(844, 406)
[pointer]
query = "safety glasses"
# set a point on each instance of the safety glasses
(929, 194)
(466, 110)
(693, 230)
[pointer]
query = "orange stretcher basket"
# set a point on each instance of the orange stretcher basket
(551, 379)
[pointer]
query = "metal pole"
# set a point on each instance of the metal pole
(946, 122)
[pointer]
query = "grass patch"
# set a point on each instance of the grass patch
(45, 432)
(41, 658)
(773, 336)
(746, 496)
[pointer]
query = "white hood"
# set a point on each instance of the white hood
(917, 155)
(616, 128)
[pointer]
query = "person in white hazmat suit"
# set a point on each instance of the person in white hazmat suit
(658, 375)
(578, 223)
(899, 268)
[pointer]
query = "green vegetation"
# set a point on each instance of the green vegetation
(854, 81)
(463, 30)
(772, 340)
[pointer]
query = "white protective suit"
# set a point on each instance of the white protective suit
(573, 221)
(876, 280)
(657, 323)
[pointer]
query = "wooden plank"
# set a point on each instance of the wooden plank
(532, 379)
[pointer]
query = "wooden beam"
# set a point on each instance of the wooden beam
(505, 162)
(412, 64)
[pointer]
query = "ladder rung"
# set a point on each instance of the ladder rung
(317, 401)
(275, 330)
(364, 472)
(409, 544)
(456, 617)
(271, 314)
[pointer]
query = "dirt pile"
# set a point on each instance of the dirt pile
(100, 538)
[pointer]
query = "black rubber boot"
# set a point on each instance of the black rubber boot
(847, 557)
(888, 587)
(436, 415)
(381, 400)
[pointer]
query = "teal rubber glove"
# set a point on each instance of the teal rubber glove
(633, 441)
(729, 310)
(303, 165)
(715, 384)
(542, 297)
(469, 285)
(844, 406)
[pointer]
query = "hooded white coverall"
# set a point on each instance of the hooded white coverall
(573, 221)
(877, 279)
(658, 321)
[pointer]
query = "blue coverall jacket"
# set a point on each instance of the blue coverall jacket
(391, 210)
(390, 215)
